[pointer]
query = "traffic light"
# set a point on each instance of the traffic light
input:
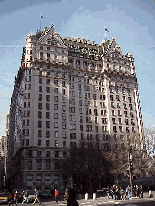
(130, 149)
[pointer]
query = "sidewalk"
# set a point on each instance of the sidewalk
(104, 200)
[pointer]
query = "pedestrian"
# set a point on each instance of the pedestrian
(108, 192)
(56, 194)
(36, 197)
(16, 198)
(11, 200)
(66, 196)
(71, 198)
(137, 191)
(26, 197)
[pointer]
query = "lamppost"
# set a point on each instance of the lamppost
(130, 168)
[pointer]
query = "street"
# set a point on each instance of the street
(146, 201)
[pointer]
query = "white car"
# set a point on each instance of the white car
(31, 196)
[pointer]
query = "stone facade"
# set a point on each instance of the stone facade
(67, 89)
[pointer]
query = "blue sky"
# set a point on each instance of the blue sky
(130, 22)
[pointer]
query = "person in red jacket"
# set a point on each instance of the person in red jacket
(56, 194)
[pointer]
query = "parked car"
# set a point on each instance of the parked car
(20, 194)
(5, 197)
(31, 195)
(103, 190)
(46, 194)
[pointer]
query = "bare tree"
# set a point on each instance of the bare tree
(87, 165)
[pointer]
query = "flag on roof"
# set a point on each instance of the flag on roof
(41, 16)
(106, 30)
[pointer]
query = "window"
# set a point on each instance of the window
(47, 165)
(47, 153)
(39, 165)
(63, 83)
(63, 134)
(118, 105)
(47, 115)
(125, 113)
(63, 116)
(56, 143)
(39, 142)
(63, 91)
(56, 82)
(39, 105)
(56, 134)
(55, 124)
(27, 142)
(80, 94)
(48, 54)
(64, 125)
(120, 120)
(64, 143)
(80, 102)
(40, 80)
(55, 115)
(55, 106)
(81, 127)
(39, 133)
(39, 114)
(72, 109)
(47, 106)
(48, 81)
(47, 133)
(39, 124)
(56, 154)
(120, 128)
(63, 108)
(72, 144)
(48, 89)
(63, 99)
(55, 90)
(40, 97)
(29, 88)
(39, 153)
(56, 98)
(114, 129)
(47, 143)
(47, 124)
(72, 135)
(47, 97)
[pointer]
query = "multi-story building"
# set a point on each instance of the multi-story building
(2, 155)
(67, 89)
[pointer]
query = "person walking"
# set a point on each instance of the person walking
(16, 198)
(26, 199)
(36, 197)
(56, 194)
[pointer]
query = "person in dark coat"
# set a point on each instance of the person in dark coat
(71, 198)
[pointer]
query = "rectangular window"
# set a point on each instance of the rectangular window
(56, 98)
(64, 143)
(39, 142)
(56, 135)
(56, 143)
(39, 133)
(47, 124)
(55, 106)
(64, 125)
(48, 89)
(55, 124)
(47, 97)
(47, 106)
(63, 134)
(63, 116)
(40, 97)
(63, 108)
(39, 114)
(39, 165)
(47, 133)
(55, 115)
(47, 115)
(55, 90)
(47, 143)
